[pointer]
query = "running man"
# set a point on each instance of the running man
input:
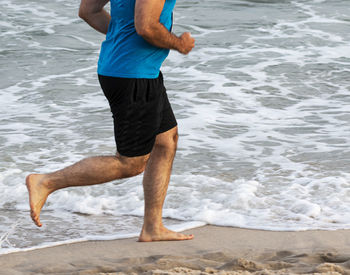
(138, 39)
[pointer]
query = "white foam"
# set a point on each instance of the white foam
(305, 203)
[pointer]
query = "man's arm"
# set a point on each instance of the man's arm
(147, 14)
(93, 13)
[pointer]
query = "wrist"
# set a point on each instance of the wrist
(178, 43)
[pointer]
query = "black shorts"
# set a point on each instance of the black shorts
(141, 110)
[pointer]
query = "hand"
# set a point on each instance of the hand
(186, 43)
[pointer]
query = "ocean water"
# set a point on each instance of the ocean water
(262, 102)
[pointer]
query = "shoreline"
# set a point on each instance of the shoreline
(213, 249)
(87, 238)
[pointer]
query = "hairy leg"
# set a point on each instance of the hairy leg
(89, 171)
(155, 184)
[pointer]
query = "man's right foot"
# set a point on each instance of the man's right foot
(162, 234)
(38, 193)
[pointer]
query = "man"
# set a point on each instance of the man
(138, 39)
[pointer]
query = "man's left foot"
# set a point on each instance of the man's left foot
(163, 234)
(38, 193)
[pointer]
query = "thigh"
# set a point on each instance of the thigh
(137, 107)
(168, 120)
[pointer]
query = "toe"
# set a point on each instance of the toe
(35, 219)
(188, 237)
(37, 222)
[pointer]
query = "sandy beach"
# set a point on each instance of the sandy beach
(215, 250)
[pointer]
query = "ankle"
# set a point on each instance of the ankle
(47, 183)
(152, 226)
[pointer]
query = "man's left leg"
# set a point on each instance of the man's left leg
(155, 184)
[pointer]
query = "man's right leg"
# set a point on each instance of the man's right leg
(89, 171)
(155, 184)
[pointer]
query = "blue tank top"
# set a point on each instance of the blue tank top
(126, 54)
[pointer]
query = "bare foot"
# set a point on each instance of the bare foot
(38, 194)
(163, 234)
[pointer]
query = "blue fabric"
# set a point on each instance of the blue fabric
(126, 54)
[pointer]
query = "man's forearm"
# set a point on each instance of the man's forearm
(98, 20)
(158, 35)
(147, 25)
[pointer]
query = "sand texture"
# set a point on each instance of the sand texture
(215, 250)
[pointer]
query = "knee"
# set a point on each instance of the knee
(133, 166)
(172, 142)
(169, 144)
(140, 167)
(175, 138)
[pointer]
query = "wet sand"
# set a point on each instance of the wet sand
(215, 250)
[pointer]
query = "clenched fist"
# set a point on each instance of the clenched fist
(186, 43)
